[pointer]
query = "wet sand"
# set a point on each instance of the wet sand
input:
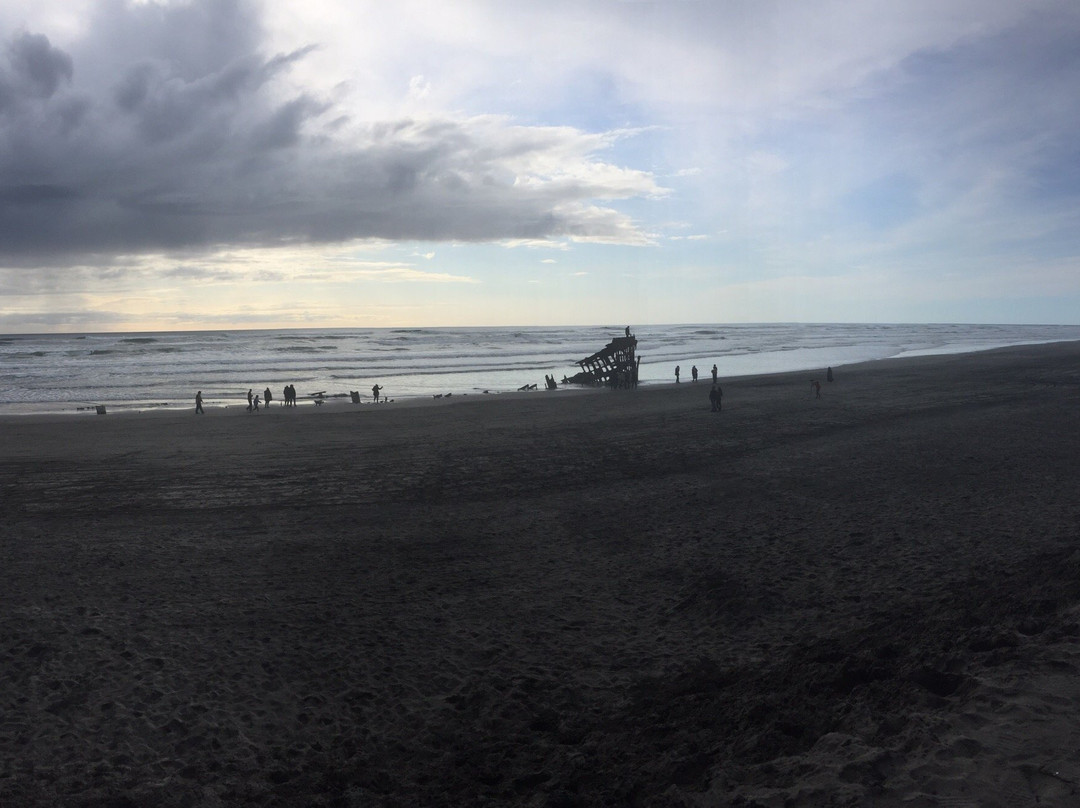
(556, 599)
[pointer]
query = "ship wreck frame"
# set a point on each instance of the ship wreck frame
(616, 365)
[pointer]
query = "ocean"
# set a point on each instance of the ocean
(72, 373)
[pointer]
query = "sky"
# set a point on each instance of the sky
(208, 164)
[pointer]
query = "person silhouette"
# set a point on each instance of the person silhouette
(676, 374)
(714, 374)
(693, 373)
(198, 403)
(249, 400)
(255, 404)
(267, 397)
(375, 390)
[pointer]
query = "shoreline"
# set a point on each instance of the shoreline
(336, 400)
(871, 598)
(336, 404)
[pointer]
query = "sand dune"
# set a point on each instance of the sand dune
(554, 599)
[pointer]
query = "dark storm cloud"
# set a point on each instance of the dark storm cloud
(166, 127)
(33, 70)
(21, 195)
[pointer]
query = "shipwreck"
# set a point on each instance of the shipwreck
(615, 366)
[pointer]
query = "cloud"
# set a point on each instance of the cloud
(159, 275)
(419, 88)
(167, 127)
(168, 141)
(410, 275)
(34, 70)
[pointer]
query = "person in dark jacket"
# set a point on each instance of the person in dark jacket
(715, 397)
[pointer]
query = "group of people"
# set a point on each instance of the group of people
(694, 373)
(716, 394)
(288, 398)
(716, 397)
(254, 400)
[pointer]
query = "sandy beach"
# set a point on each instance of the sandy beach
(871, 598)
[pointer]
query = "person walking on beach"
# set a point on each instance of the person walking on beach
(714, 374)
(693, 373)
(198, 403)
(828, 375)
(375, 392)
(815, 385)
(249, 399)
(676, 374)
(267, 397)
(255, 405)
(716, 396)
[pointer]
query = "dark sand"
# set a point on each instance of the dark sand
(608, 599)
